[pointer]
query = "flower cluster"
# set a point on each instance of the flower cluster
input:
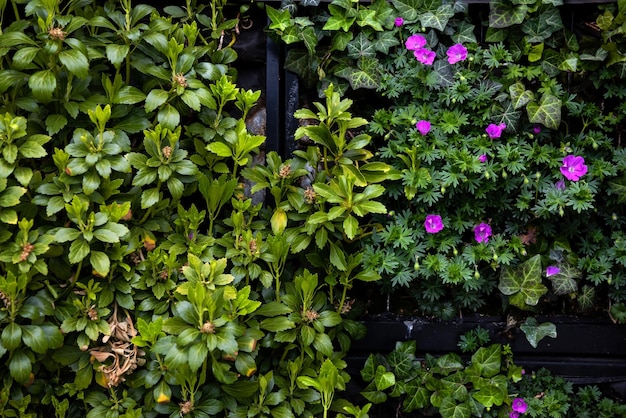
(417, 44)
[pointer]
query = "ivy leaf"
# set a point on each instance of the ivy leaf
(488, 360)
(519, 95)
(504, 15)
(341, 40)
(450, 409)
(364, 76)
(508, 114)
(541, 27)
(383, 379)
(523, 283)
(564, 282)
(309, 37)
(361, 47)
(465, 33)
(408, 8)
(439, 19)
(384, 41)
(536, 332)
(303, 65)
(547, 112)
(281, 19)
(417, 397)
(490, 394)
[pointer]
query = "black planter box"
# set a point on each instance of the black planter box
(585, 350)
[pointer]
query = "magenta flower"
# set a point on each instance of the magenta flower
(425, 56)
(415, 42)
(573, 167)
(519, 405)
(423, 126)
(456, 53)
(398, 22)
(433, 224)
(494, 131)
(482, 158)
(513, 415)
(560, 185)
(552, 270)
(482, 232)
(537, 129)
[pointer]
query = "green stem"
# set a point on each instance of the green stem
(344, 294)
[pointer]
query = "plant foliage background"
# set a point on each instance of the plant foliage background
(155, 261)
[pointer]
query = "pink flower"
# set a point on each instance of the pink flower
(433, 224)
(560, 185)
(425, 56)
(573, 167)
(415, 42)
(482, 158)
(519, 405)
(552, 270)
(513, 415)
(494, 131)
(537, 129)
(482, 232)
(456, 53)
(398, 22)
(423, 126)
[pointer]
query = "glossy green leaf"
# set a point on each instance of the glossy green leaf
(43, 84)
(536, 332)
(75, 62)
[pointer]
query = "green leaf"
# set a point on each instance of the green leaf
(438, 19)
(43, 84)
(408, 9)
(504, 15)
(155, 99)
(350, 226)
(11, 196)
(417, 397)
(75, 62)
(20, 366)
(564, 283)
(100, 263)
(128, 95)
(547, 112)
(169, 117)
(384, 379)
(337, 257)
(523, 283)
(488, 360)
(451, 409)
(150, 197)
(519, 95)
(11, 336)
(536, 332)
(54, 123)
(35, 338)
(220, 148)
(117, 53)
(277, 324)
(79, 249)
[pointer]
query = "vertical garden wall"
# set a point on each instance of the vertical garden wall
(204, 206)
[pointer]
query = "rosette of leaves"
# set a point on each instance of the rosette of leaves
(164, 164)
